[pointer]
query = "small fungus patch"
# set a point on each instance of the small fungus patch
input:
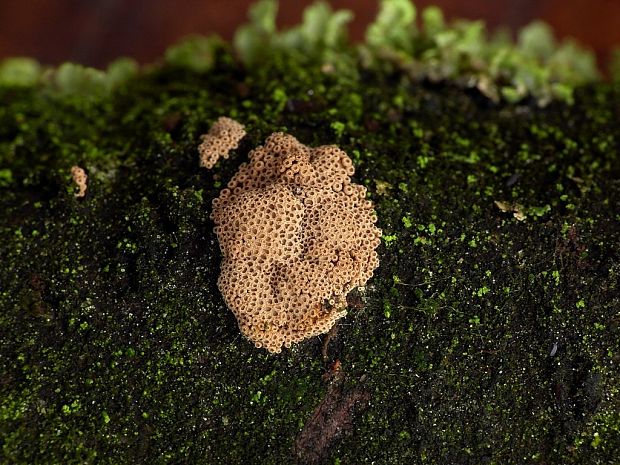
(296, 236)
(81, 180)
(223, 137)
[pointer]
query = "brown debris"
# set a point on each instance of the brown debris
(331, 335)
(223, 137)
(516, 209)
(296, 236)
(569, 251)
(333, 416)
(81, 179)
(333, 371)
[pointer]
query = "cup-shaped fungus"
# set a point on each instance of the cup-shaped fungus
(296, 237)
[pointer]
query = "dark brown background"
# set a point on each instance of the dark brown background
(94, 32)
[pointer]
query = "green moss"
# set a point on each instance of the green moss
(480, 338)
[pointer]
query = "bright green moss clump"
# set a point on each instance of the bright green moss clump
(483, 337)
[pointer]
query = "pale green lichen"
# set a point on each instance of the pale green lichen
(195, 52)
(321, 32)
(394, 26)
(536, 65)
(19, 71)
(68, 78)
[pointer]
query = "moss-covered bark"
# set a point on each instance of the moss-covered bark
(483, 338)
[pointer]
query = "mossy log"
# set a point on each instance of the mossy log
(489, 333)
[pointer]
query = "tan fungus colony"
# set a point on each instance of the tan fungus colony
(80, 178)
(222, 137)
(296, 236)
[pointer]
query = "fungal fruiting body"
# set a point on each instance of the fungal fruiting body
(222, 137)
(296, 237)
(80, 178)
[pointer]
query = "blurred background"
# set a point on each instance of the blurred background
(94, 32)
